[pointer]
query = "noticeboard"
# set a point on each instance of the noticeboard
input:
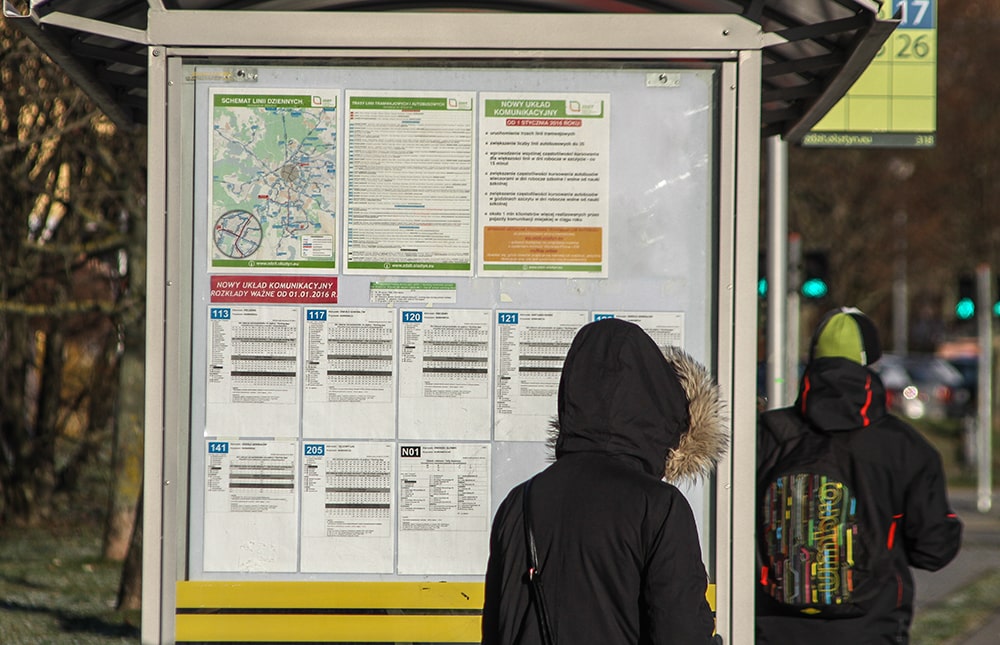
(894, 102)
(389, 263)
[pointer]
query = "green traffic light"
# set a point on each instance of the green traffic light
(762, 287)
(965, 309)
(996, 308)
(814, 288)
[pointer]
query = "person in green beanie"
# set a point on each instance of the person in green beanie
(898, 515)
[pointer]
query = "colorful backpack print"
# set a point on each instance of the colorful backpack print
(817, 544)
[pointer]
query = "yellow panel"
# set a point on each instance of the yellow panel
(874, 80)
(868, 114)
(909, 46)
(914, 80)
(278, 627)
(914, 114)
(341, 595)
(893, 102)
(256, 628)
(835, 119)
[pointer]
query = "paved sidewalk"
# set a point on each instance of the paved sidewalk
(980, 555)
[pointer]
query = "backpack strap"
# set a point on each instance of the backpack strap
(534, 576)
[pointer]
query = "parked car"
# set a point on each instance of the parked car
(923, 387)
(968, 367)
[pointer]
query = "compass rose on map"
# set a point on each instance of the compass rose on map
(238, 234)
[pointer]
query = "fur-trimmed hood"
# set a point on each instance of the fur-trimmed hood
(707, 437)
(620, 395)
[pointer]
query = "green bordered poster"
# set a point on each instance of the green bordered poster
(894, 102)
(273, 179)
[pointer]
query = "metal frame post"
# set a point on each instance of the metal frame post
(984, 325)
(777, 270)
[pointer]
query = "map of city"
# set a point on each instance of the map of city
(274, 180)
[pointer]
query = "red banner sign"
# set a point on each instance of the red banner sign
(242, 289)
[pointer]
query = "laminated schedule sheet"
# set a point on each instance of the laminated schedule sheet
(444, 508)
(531, 348)
(347, 507)
(251, 506)
(252, 385)
(349, 373)
(444, 390)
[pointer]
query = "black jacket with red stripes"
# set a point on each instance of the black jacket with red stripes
(907, 486)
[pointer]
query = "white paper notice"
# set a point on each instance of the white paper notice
(664, 327)
(416, 293)
(253, 372)
(410, 182)
(531, 348)
(544, 184)
(444, 509)
(347, 507)
(251, 508)
(349, 373)
(444, 372)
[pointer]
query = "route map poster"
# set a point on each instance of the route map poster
(273, 180)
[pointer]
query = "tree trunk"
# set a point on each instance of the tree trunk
(130, 586)
(130, 423)
(16, 350)
(127, 461)
(38, 465)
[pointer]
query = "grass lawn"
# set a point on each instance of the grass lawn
(56, 588)
(967, 609)
(960, 614)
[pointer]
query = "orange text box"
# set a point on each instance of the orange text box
(526, 244)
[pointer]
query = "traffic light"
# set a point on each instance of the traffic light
(965, 307)
(815, 275)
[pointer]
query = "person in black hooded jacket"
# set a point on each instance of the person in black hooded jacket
(618, 548)
(901, 471)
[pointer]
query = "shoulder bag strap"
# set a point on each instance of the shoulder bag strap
(534, 572)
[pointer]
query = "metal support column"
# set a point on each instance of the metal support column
(984, 444)
(777, 270)
(792, 325)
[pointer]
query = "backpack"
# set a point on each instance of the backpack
(819, 547)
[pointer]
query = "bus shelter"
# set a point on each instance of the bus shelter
(373, 235)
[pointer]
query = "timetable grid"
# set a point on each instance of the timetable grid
(894, 102)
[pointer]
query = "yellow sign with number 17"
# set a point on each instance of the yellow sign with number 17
(894, 102)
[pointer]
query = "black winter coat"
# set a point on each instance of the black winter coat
(904, 475)
(619, 552)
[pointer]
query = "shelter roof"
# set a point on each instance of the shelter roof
(820, 48)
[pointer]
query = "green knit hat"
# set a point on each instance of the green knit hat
(847, 333)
